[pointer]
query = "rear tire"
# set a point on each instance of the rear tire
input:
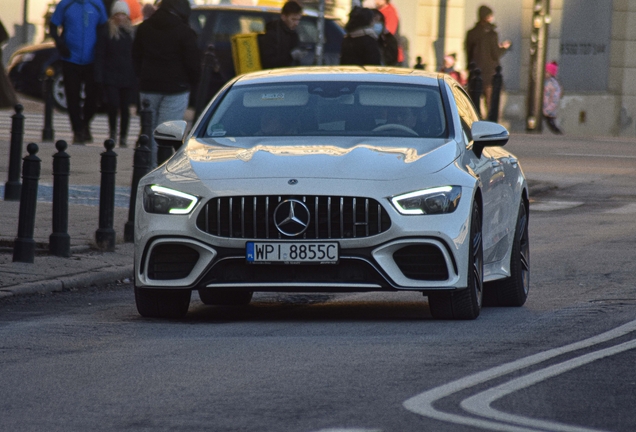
(225, 297)
(513, 291)
(464, 304)
(162, 303)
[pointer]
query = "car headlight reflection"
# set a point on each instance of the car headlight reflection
(439, 200)
(163, 200)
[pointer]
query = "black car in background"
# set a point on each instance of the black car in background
(215, 24)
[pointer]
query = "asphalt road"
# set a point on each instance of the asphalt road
(85, 360)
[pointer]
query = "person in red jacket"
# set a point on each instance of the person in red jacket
(391, 23)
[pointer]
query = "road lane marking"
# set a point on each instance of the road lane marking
(554, 205)
(480, 404)
(422, 403)
(596, 156)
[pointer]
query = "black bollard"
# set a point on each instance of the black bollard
(13, 186)
(59, 240)
(105, 235)
(145, 120)
(24, 245)
(47, 132)
(141, 167)
(476, 89)
(497, 84)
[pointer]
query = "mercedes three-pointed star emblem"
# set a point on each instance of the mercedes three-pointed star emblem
(291, 217)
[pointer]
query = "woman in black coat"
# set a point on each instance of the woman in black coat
(114, 70)
(360, 44)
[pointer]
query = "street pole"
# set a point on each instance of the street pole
(538, 47)
(25, 23)
(320, 46)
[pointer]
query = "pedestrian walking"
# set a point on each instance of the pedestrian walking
(387, 42)
(114, 70)
(392, 23)
(278, 46)
(8, 97)
(360, 44)
(419, 64)
(484, 50)
(167, 63)
(552, 97)
(76, 44)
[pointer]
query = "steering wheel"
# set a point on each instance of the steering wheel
(390, 126)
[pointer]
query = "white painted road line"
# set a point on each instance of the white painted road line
(422, 404)
(480, 404)
(596, 156)
(554, 205)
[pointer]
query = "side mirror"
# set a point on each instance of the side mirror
(487, 134)
(170, 134)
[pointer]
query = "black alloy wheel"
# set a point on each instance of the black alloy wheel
(465, 304)
(513, 290)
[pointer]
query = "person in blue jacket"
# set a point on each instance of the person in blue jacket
(79, 20)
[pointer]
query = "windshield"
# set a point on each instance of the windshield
(329, 109)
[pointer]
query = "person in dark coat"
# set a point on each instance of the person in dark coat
(167, 63)
(278, 47)
(360, 44)
(484, 50)
(387, 42)
(114, 68)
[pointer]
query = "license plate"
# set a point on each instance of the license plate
(292, 252)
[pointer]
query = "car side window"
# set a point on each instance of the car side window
(307, 31)
(467, 112)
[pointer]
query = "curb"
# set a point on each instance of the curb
(100, 277)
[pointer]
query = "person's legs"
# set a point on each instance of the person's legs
(72, 89)
(551, 121)
(172, 107)
(125, 99)
(112, 96)
(90, 102)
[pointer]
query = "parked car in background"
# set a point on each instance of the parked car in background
(215, 24)
(340, 179)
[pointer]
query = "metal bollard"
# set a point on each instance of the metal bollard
(24, 245)
(59, 240)
(141, 167)
(105, 235)
(47, 132)
(476, 89)
(497, 83)
(13, 186)
(145, 120)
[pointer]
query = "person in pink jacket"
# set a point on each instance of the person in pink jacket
(551, 97)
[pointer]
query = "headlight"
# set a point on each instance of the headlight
(163, 200)
(439, 200)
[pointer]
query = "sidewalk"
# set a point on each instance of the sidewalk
(87, 265)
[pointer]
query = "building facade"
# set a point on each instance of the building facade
(594, 43)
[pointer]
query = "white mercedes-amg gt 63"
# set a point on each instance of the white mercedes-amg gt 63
(334, 179)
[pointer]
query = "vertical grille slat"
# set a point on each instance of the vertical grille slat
(331, 217)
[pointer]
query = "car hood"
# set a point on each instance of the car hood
(356, 158)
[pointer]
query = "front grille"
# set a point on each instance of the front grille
(331, 217)
(422, 262)
(169, 261)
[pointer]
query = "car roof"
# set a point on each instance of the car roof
(247, 8)
(341, 73)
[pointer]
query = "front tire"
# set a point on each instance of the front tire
(162, 303)
(225, 297)
(513, 291)
(465, 304)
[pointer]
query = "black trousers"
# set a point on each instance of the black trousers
(551, 121)
(119, 100)
(75, 77)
